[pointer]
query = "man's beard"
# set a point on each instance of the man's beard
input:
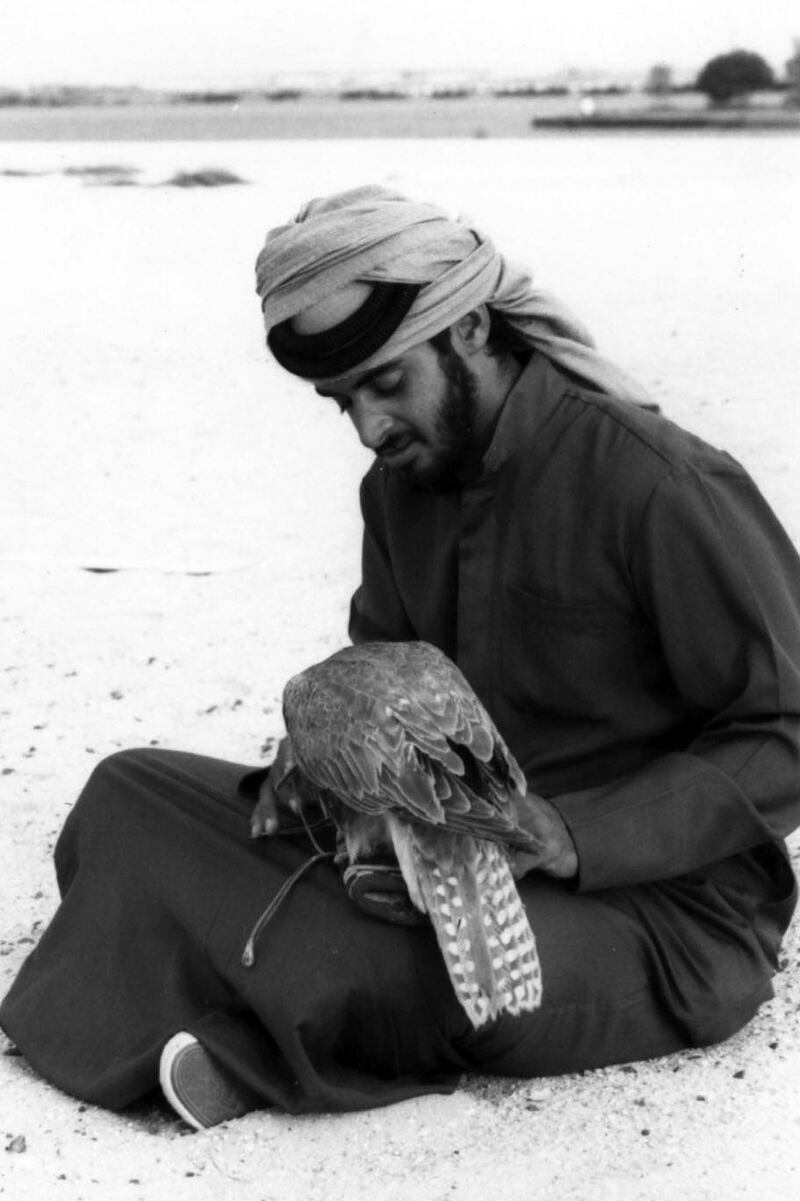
(456, 458)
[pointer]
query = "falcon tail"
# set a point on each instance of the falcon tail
(483, 932)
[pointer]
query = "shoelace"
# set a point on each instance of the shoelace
(249, 953)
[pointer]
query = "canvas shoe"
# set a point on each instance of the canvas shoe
(380, 890)
(202, 1093)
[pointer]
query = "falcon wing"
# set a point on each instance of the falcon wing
(442, 691)
(475, 776)
(349, 741)
(396, 727)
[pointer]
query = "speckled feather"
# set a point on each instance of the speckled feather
(405, 756)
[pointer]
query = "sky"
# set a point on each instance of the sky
(165, 42)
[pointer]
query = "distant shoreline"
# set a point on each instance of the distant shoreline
(749, 121)
(314, 118)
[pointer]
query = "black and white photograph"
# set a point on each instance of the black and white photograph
(399, 600)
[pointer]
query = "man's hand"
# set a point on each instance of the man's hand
(277, 796)
(557, 855)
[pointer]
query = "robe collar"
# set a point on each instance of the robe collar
(531, 413)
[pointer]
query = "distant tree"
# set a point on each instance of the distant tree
(734, 74)
(659, 80)
(793, 76)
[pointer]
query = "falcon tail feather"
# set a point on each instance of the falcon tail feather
(483, 931)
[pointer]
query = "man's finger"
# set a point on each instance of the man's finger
(265, 815)
(522, 862)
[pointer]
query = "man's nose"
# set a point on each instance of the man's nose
(372, 425)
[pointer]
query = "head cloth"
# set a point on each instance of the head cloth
(371, 234)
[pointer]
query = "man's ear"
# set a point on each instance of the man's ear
(470, 333)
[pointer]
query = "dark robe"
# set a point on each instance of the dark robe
(628, 608)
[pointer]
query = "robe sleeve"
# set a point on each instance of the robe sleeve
(377, 612)
(720, 580)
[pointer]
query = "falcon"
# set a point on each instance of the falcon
(404, 758)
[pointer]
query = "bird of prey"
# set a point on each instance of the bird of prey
(403, 756)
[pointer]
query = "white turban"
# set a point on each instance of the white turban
(371, 234)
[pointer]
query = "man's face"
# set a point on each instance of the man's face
(418, 413)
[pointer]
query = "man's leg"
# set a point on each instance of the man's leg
(162, 885)
(628, 974)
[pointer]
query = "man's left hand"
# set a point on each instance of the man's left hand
(556, 855)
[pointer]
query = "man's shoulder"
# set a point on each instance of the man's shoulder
(628, 436)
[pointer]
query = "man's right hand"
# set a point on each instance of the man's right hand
(277, 797)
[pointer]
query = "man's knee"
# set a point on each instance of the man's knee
(121, 764)
(135, 771)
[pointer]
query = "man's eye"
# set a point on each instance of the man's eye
(387, 385)
(343, 404)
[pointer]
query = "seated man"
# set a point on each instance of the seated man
(626, 606)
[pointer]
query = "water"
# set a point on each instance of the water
(311, 117)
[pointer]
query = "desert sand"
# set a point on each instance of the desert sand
(145, 433)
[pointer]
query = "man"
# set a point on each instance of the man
(628, 609)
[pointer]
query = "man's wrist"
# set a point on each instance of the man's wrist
(556, 855)
(564, 857)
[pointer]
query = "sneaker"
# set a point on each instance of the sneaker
(202, 1093)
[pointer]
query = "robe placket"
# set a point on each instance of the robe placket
(476, 587)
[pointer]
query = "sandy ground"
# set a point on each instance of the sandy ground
(143, 431)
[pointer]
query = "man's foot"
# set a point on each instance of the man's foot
(380, 890)
(202, 1093)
